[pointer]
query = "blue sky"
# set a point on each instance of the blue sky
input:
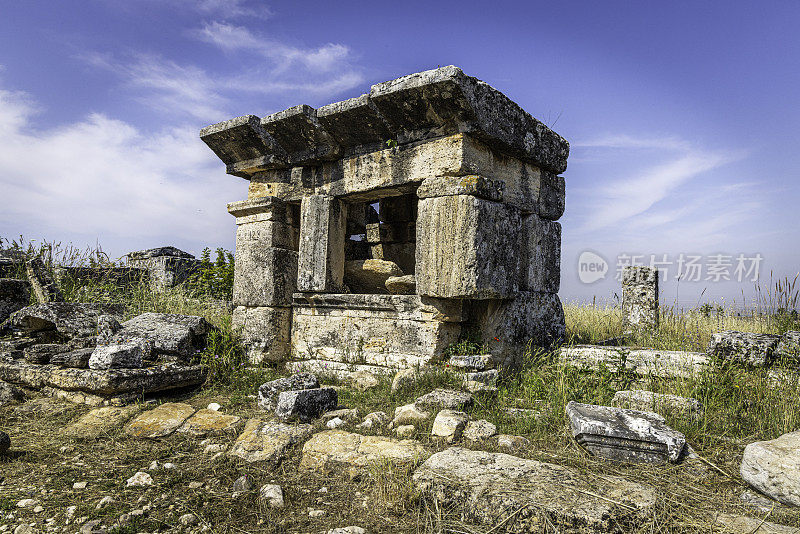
(682, 116)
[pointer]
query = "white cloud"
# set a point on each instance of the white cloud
(104, 177)
(233, 8)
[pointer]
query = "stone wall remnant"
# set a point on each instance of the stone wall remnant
(436, 173)
(167, 266)
(639, 298)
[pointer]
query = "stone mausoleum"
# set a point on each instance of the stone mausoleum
(381, 229)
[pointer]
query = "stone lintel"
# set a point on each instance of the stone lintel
(301, 135)
(242, 139)
(446, 186)
(403, 306)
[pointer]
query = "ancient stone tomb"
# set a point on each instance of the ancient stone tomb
(379, 230)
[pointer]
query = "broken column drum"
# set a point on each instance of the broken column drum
(639, 298)
(379, 229)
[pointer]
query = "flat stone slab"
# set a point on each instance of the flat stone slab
(664, 363)
(744, 347)
(160, 422)
(445, 398)
(268, 441)
(71, 319)
(99, 421)
(205, 422)
(624, 435)
(339, 449)
(773, 467)
(106, 382)
(659, 403)
(531, 496)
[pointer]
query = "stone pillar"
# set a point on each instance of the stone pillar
(639, 298)
(264, 276)
(323, 228)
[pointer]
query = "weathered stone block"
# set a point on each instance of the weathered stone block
(391, 232)
(552, 196)
(14, 295)
(401, 285)
(337, 449)
(659, 403)
(243, 145)
(264, 276)
(268, 392)
(265, 331)
(323, 223)
(263, 234)
(447, 186)
(301, 136)
(467, 248)
(446, 398)
(168, 333)
(121, 355)
(69, 319)
(42, 282)
(743, 347)
(306, 404)
(542, 254)
(166, 266)
(369, 276)
(773, 467)
(268, 441)
(789, 346)
(403, 254)
(161, 421)
(449, 425)
(640, 298)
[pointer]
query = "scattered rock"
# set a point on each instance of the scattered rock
(27, 503)
(445, 398)
(369, 276)
(271, 495)
(334, 449)
(373, 419)
(346, 414)
(79, 486)
(471, 362)
(161, 421)
(99, 421)
(205, 422)
(105, 501)
(242, 484)
(334, 423)
(172, 334)
(260, 441)
(10, 394)
(41, 354)
(662, 404)
(140, 479)
(449, 425)
(363, 380)
(404, 415)
(401, 285)
(404, 378)
(624, 435)
(74, 359)
(129, 355)
(315, 514)
(773, 467)
(268, 392)
(70, 319)
(188, 520)
(214, 406)
(347, 530)
(306, 404)
(107, 327)
(507, 441)
(5, 442)
(788, 348)
(743, 347)
(486, 486)
(479, 430)
(485, 378)
(405, 431)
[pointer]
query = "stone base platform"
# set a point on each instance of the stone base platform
(389, 331)
(95, 387)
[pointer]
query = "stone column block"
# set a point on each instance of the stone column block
(467, 247)
(639, 298)
(323, 226)
(265, 331)
(552, 196)
(542, 254)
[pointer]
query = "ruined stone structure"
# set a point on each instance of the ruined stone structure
(639, 298)
(379, 229)
(166, 266)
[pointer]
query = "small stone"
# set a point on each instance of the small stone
(773, 467)
(401, 285)
(79, 485)
(140, 479)
(407, 414)
(242, 484)
(345, 414)
(188, 520)
(479, 430)
(27, 503)
(306, 404)
(506, 441)
(121, 355)
(334, 423)
(470, 362)
(38, 510)
(214, 407)
(449, 425)
(153, 466)
(214, 448)
(405, 431)
(373, 419)
(105, 501)
(271, 495)
(92, 527)
(316, 513)
(445, 398)
(169, 465)
(195, 484)
(268, 392)
(347, 530)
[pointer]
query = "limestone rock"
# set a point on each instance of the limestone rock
(99, 421)
(449, 425)
(339, 449)
(479, 430)
(363, 380)
(70, 319)
(541, 254)
(306, 404)
(5, 442)
(409, 414)
(404, 378)
(74, 359)
(470, 362)
(445, 398)
(14, 295)
(369, 276)
(485, 486)
(639, 298)
(107, 326)
(405, 431)
(169, 333)
(789, 346)
(320, 260)
(624, 435)
(660, 403)
(347, 530)
(42, 282)
(773, 467)
(41, 354)
(271, 495)
(161, 421)
(265, 331)
(269, 391)
(374, 419)
(401, 285)
(206, 421)
(126, 355)
(507, 441)
(743, 347)
(140, 479)
(740, 524)
(10, 394)
(260, 441)
(486, 378)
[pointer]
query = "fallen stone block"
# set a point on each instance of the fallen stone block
(43, 285)
(337, 449)
(70, 319)
(644, 362)
(10, 394)
(788, 348)
(269, 391)
(205, 422)
(14, 295)
(369, 276)
(99, 421)
(530, 496)
(659, 403)
(471, 362)
(306, 404)
(169, 333)
(161, 421)
(744, 347)
(409, 414)
(339, 370)
(128, 355)
(445, 398)
(773, 467)
(401, 285)
(449, 425)
(624, 435)
(75, 359)
(41, 354)
(480, 430)
(268, 441)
